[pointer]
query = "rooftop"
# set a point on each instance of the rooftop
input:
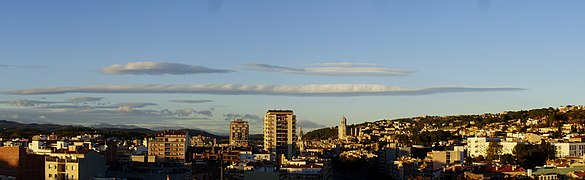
(280, 110)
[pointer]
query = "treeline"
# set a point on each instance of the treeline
(324, 133)
(425, 138)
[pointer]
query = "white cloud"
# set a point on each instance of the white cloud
(84, 99)
(246, 117)
(26, 103)
(125, 108)
(185, 112)
(307, 125)
(346, 64)
(207, 113)
(265, 89)
(136, 104)
(192, 101)
(333, 69)
(159, 68)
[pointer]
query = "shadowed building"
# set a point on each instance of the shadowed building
(80, 164)
(15, 162)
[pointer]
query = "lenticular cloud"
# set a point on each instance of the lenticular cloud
(266, 89)
(159, 68)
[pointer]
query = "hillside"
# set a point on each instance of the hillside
(11, 129)
(552, 117)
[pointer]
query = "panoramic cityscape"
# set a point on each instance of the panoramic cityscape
(223, 89)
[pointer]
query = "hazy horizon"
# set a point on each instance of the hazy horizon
(200, 64)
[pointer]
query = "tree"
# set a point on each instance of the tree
(493, 152)
(507, 159)
(530, 156)
(468, 160)
(479, 158)
(403, 138)
(548, 149)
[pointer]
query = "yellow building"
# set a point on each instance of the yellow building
(280, 131)
(169, 145)
(83, 164)
(239, 133)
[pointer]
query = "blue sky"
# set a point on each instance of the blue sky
(493, 55)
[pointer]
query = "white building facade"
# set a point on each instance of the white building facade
(569, 149)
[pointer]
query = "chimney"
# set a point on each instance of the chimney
(513, 168)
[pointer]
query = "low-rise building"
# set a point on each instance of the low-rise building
(569, 149)
(441, 159)
(85, 164)
(169, 145)
(477, 146)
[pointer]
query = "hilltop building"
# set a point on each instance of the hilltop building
(342, 128)
(301, 142)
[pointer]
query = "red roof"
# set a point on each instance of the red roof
(580, 174)
(66, 151)
(458, 169)
(501, 169)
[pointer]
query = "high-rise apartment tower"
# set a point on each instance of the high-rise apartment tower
(239, 133)
(280, 132)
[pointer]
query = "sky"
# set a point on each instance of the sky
(200, 64)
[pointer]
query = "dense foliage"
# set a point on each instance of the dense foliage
(530, 156)
(324, 133)
(494, 151)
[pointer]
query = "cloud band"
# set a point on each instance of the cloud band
(333, 69)
(159, 68)
(266, 89)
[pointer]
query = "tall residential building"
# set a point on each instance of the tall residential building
(342, 128)
(169, 145)
(280, 131)
(239, 133)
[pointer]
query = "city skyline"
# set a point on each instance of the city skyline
(202, 64)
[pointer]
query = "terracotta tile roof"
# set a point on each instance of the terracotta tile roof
(501, 169)
(580, 174)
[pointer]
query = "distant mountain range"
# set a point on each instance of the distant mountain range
(11, 129)
(116, 126)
